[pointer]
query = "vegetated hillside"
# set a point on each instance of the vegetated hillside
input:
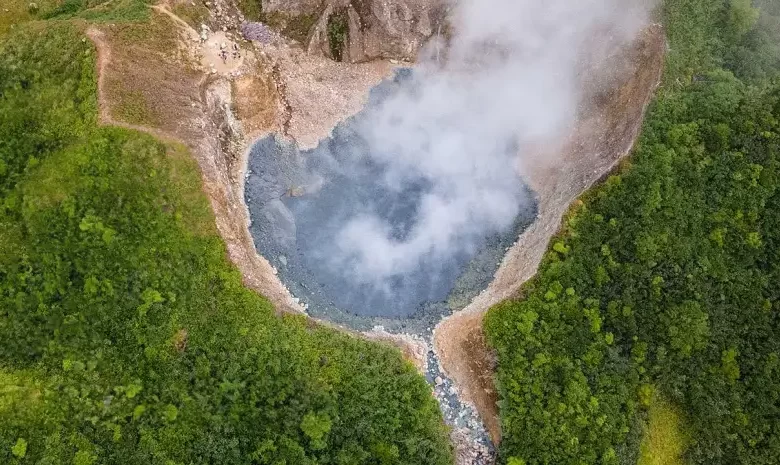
(125, 335)
(664, 278)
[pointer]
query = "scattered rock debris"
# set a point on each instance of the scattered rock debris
(469, 436)
(220, 54)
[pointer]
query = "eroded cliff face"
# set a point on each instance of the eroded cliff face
(363, 30)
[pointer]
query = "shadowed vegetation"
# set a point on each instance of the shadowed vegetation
(338, 34)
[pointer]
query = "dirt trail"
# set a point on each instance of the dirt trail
(213, 46)
(601, 139)
(163, 8)
(312, 92)
(209, 130)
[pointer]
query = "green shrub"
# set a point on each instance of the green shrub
(338, 34)
(252, 9)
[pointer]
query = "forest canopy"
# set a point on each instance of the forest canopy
(125, 335)
(127, 338)
(663, 280)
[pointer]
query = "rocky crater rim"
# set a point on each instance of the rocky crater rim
(298, 202)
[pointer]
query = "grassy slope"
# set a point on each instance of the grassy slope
(665, 274)
(125, 336)
(99, 10)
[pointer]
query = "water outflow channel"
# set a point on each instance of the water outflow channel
(299, 203)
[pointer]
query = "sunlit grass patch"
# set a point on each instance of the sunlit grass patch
(100, 10)
(665, 438)
(194, 14)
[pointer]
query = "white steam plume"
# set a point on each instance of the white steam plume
(511, 75)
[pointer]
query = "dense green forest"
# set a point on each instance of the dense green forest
(125, 335)
(127, 338)
(664, 280)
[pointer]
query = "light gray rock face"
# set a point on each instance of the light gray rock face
(377, 28)
(318, 38)
(293, 7)
(391, 28)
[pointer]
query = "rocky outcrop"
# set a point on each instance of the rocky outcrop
(319, 44)
(376, 28)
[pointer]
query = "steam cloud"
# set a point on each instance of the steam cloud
(511, 76)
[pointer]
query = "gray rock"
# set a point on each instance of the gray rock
(293, 7)
(281, 223)
(318, 41)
